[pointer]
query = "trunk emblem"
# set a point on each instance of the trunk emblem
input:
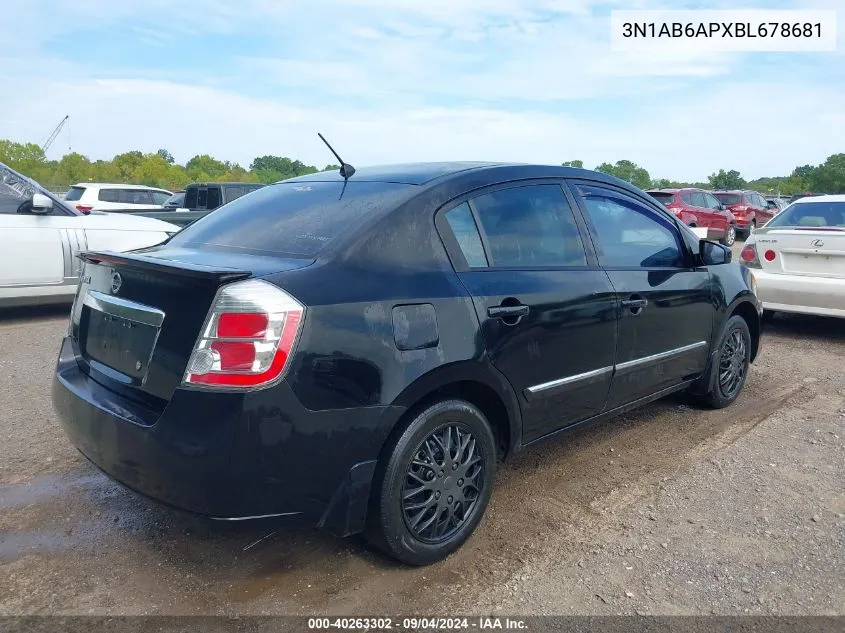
(116, 282)
(817, 243)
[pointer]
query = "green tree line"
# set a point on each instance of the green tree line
(159, 169)
(828, 177)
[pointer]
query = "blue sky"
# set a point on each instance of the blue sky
(391, 80)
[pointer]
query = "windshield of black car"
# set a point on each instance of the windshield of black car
(811, 214)
(662, 196)
(295, 219)
(729, 198)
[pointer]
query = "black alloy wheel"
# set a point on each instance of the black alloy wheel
(433, 484)
(443, 483)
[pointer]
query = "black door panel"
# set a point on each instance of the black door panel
(668, 339)
(666, 309)
(558, 357)
(547, 312)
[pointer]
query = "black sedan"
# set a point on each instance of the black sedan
(360, 351)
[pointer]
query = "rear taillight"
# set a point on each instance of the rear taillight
(84, 208)
(749, 256)
(739, 207)
(248, 338)
(675, 210)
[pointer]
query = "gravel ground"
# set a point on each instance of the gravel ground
(667, 510)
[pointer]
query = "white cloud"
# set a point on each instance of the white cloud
(680, 138)
(436, 80)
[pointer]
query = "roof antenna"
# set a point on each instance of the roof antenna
(346, 170)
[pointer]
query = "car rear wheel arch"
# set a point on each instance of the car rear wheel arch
(474, 391)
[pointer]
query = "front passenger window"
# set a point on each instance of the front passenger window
(627, 234)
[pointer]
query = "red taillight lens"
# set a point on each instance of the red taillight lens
(84, 208)
(234, 356)
(770, 255)
(739, 207)
(248, 338)
(242, 325)
(748, 255)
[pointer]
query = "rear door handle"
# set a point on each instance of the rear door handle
(504, 312)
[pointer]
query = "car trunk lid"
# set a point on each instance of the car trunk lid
(816, 251)
(137, 315)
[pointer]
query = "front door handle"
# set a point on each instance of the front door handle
(635, 305)
(505, 312)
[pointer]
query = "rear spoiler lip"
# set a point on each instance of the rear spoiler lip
(199, 272)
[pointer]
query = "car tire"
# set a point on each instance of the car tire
(731, 364)
(729, 237)
(434, 455)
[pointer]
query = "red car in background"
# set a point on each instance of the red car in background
(699, 208)
(748, 207)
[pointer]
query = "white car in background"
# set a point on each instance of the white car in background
(40, 237)
(798, 258)
(101, 196)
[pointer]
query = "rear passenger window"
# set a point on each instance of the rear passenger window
(135, 196)
(232, 193)
(698, 200)
(627, 234)
(109, 195)
(529, 227)
(213, 200)
(466, 233)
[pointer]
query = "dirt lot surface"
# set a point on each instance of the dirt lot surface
(668, 510)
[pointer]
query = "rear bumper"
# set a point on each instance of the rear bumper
(801, 294)
(228, 455)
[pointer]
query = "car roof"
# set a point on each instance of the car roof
(116, 185)
(401, 173)
(821, 198)
(435, 172)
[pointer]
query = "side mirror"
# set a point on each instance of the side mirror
(722, 207)
(713, 253)
(41, 204)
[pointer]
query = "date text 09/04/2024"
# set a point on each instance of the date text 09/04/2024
(721, 29)
(417, 623)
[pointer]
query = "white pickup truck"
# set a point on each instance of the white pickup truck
(40, 237)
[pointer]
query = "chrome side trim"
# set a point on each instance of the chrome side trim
(118, 307)
(257, 516)
(656, 358)
(561, 383)
(67, 256)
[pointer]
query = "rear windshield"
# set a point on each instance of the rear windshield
(292, 219)
(74, 193)
(662, 197)
(729, 198)
(811, 214)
